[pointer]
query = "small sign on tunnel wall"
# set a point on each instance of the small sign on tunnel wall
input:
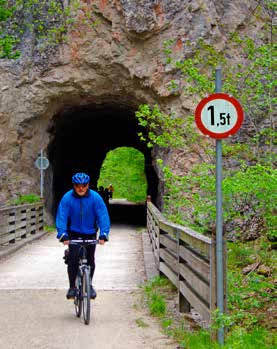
(42, 163)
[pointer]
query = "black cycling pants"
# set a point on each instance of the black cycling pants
(73, 257)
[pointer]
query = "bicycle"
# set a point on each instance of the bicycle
(82, 297)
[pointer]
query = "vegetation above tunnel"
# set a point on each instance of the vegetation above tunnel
(46, 23)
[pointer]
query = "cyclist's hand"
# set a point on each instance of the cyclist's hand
(66, 242)
(101, 242)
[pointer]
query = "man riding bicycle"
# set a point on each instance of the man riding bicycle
(81, 211)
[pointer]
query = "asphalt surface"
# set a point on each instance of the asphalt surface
(36, 314)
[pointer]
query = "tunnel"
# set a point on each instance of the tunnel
(80, 139)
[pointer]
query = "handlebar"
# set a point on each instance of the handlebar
(83, 242)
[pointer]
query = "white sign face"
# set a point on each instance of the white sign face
(42, 163)
(219, 116)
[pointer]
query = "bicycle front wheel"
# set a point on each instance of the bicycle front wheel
(86, 295)
(78, 296)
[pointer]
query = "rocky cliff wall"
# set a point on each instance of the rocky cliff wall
(115, 58)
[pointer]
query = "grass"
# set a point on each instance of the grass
(49, 228)
(249, 298)
(141, 323)
(157, 304)
(154, 298)
(255, 339)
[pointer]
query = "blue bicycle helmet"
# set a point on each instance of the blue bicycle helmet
(80, 178)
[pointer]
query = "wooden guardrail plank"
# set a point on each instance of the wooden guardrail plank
(197, 304)
(7, 229)
(170, 259)
(155, 241)
(198, 242)
(154, 211)
(173, 277)
(19, 225)
(4, 220)
(195, 282)
(153, 229)
(6, 239)
(195, 262)
(154, 225)
(168, 228)
(169, 242)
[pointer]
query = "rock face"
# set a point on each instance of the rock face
(115, 62)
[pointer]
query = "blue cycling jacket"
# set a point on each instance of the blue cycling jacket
(82, 214)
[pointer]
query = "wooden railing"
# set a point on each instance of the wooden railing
(186, 258)
(17, 222)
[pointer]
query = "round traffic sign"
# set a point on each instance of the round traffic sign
(42, 163)
(219, 115)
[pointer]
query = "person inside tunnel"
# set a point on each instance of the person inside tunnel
(110, 190)
(81, 212)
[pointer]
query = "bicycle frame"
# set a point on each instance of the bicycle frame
(82, 298)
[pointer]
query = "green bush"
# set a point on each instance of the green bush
(26, 199)
(249, 192)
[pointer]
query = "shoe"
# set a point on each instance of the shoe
(71, 293)
(93, 293)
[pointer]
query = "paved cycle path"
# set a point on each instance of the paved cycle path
(36, 314)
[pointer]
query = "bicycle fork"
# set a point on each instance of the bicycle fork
(82, 270)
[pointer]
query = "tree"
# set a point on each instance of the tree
(190, 199)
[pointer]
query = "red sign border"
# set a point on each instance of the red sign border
(212, 97)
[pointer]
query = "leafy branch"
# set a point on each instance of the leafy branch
(48, 23)
(248, 186)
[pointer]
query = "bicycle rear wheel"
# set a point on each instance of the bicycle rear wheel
(86, 295)
(78, 297)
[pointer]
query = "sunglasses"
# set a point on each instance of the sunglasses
(80, 186)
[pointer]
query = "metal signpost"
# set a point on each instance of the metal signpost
(42, 164)
(219, 116)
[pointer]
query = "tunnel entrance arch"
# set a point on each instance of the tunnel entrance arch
(80, 139)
